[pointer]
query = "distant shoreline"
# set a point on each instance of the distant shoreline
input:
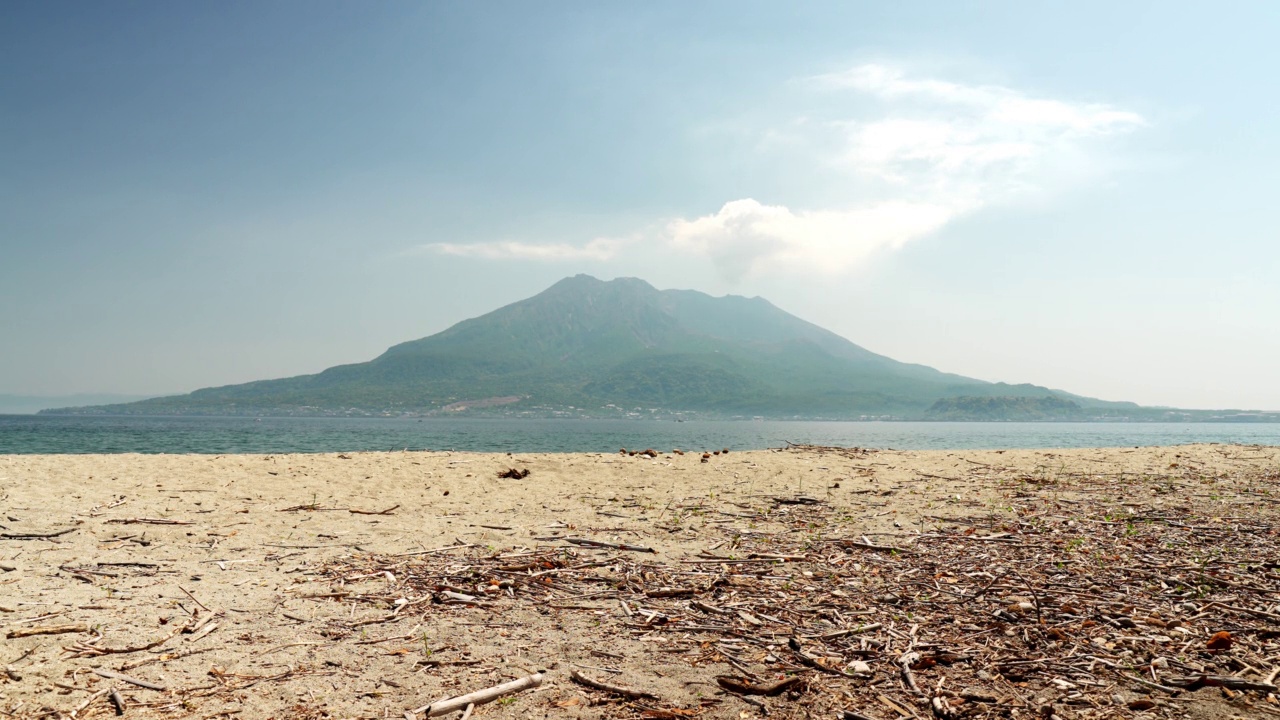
(1235, 417)
(71, 434)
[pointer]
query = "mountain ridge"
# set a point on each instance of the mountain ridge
(595, 347)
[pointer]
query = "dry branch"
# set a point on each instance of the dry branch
(613, 546)
(607, 687)
(36, 536)
(742, 687)
(479, 697)
(129, 679)
(49, 630)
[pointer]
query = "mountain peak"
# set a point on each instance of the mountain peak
(582, 281)
(596, 346)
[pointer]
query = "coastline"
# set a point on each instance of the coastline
(65, 434)
(298, 563)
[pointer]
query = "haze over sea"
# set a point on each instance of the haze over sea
(23, 434)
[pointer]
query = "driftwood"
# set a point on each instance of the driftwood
(615, 689)
(36, 536)
(118, 701)
(89, 701)
(82, 649)
(797, 500)
(129, 679)
(612, 546)
(479, 697)
(48, 630)
(742, 687)
(1234, 683)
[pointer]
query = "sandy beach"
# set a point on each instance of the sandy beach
(799, 583)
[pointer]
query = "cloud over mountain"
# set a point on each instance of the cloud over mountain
(908, 155)
(922, 152)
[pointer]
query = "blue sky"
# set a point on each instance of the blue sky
(1076, 195)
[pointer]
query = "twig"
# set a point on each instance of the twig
(1246, 611)
(767, 689)
(126, 678)
(479, 697)
(84, 649)
(36, 536)
(48, 630)
(193, 598)
(607, 687)
(1200, 681)
(433, 551)
(148, 521)
(89, 701)
(612, 546)
(904, 665)
(354, 511)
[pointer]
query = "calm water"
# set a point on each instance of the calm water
(41, 434)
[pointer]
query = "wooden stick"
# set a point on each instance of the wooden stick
(203, 631)
(1246, 611)
(89, 701)
(354, 511)
(48, 630)
(611, 546)
(882, 548)
(120, 651)
(908, 678)
(193, 598)
(1196, 682)
(479, 697)
(433, 551)
(110, 674)
(118, 701)
(36, 536)
(149, 521)
(870, 627)
(767, 689)
(615, 689)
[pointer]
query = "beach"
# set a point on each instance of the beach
(801, 582)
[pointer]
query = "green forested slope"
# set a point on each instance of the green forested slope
(589, 344)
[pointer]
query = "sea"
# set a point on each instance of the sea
(25, 434)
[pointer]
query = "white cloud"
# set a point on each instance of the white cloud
(745, 235)
(911, 154)
(926, 151)
(598, 249)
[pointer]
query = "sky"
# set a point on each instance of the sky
(1077, 195)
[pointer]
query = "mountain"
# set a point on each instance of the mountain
(591, 347)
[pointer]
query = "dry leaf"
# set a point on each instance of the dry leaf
(1220, 641)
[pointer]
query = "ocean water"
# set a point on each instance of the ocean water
(67, 434)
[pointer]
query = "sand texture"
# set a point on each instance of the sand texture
(797, 583)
